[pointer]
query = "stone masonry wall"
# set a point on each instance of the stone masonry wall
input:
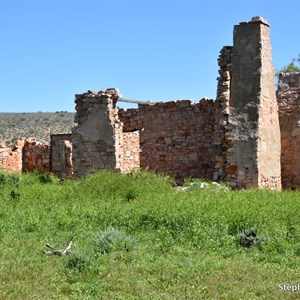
(61, 155)
(36, 156)
(288, 97)
(11, 158)
(99, 141)
(95, 136)
(269, 142)
(181, 138)
(178, 138)
(28, 155)
(222, 128)
(130, 149)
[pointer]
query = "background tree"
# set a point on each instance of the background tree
(292, 67)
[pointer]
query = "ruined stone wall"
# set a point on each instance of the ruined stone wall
(181, 138)
(235, 138)
(28, 155)
(96, 135)
(131, 118)
(177, 138)
(130, 151)
(222, 128)
(253, 158)
(61, 155)
(288, 97)
(36, 156)
(11, 158)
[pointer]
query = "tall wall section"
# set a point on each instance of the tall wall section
(95, 135)
(253, 158)
(288, 97)
(99, 141)
(222, 128)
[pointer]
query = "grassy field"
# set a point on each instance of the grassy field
(138, 237)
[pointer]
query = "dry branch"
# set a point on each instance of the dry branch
(59, 252)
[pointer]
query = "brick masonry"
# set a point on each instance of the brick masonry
(11, 158)
(28, 155)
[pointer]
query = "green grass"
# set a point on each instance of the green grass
(137, 237)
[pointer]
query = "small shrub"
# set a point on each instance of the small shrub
(48, 178)
(14, 195)
(11, 179)
(2, 179)
(76, 262)
(112, 239)
(131, 195)
(15, 180)
(249, 238)
(293, 230)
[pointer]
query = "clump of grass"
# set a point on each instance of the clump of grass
(48, 178)
(113, 239)
(77, 262)
(9, 179)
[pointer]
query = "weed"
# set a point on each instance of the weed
(113, 239)
(2, 179)
(9, 179)
(131, 195)
(14, 195)
(249, 238)
(76, 262)
(48, 178)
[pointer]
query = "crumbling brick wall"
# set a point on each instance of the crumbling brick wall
(99, 141)
(11, 158)
(288, 97)
(235, 138)
(177, 138)
(27, 155)
(222, 128)
(95, 136)
(35, 156)
(130, 151)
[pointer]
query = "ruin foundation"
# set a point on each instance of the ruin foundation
(246, 137)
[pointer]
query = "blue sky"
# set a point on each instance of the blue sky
(151, 50)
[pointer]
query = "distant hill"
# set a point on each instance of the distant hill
(40, 125)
